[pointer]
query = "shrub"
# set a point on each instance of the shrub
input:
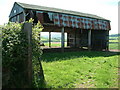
(14, 53)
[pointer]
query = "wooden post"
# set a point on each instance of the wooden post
(67, 39)
(50, 39)
(75, 38)
(24, 16)
(89, 40)
(80, 38)
(27, 29)
(107, 39)
(62, 39)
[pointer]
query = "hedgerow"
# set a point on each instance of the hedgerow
(14, 53)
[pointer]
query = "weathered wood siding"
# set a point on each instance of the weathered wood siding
(16, 10)
(80, 39)
(16, 14)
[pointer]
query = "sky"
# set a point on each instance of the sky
(105, 8)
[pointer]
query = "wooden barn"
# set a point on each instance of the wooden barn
(83, 30)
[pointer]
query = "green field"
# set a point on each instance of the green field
(56, 43)
(114, 46)
(81, 69)
(114, 43)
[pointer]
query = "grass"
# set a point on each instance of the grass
(111, 45)
(114, 43)
(81, 69)
(113, 40)
(55, 44)
(114, 46)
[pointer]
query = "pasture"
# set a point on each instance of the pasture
(114, 43)
(81, 69)
(94, 69)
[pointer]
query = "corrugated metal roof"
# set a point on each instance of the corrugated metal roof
(43, 8)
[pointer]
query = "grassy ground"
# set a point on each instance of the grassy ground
(114, 44)
(113, 40)
(80, 69)
(55, 44)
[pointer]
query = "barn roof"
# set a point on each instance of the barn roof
(50, 9)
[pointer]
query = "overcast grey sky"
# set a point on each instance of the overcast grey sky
(104, 8)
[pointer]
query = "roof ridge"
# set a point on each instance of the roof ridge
(58, 10)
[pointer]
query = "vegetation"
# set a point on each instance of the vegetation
(81, 69)
(114, 35)
(55, 44)
(114, 42)
(14, 54)
(13, 40)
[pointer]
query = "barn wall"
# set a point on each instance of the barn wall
(99, 39)
(84, 38)
(16, 14)
(17, 18)
(16, 10)
(40, 17)
(79, 38)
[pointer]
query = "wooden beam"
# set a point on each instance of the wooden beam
(62, 39)
(107, 39)
(75, 37)
(68, 41)
(24, 16)
(80, 38)
(89, 40)
(50, 39)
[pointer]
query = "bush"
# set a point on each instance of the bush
(14, 53)
(14, 45)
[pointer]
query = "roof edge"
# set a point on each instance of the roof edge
(52, 10)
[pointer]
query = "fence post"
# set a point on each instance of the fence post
(27, 29)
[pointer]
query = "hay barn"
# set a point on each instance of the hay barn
(83, 30)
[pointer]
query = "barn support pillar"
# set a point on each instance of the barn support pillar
(89, 40)
(49, 39)
(107, 39)
(75, 38)
(62, 39)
